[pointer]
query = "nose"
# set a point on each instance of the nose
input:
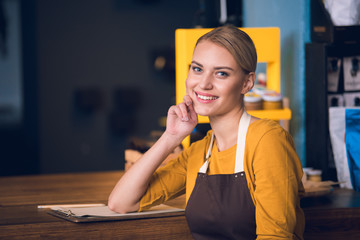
(206, 81)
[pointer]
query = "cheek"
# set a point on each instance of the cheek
(233, 91)
(189, 83)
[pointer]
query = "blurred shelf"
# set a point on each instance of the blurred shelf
(276, 114)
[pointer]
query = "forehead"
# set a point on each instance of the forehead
(212, 53)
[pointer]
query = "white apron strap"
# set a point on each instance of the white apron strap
(240, 148)
(204, 167)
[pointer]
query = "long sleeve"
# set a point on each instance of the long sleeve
(177, 176)
(166, 183)
(277, 184)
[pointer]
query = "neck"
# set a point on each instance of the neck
(225, 129)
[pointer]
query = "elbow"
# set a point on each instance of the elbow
(112, 205)
(120, 207)
(115, 206)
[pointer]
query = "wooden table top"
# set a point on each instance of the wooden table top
(21, 219)
(57, 188)
(327, 216)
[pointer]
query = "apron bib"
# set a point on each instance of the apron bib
(220, 206)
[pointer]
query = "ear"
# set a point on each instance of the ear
(248, 82)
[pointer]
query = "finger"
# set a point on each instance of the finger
(187, 100)
(190, 104)
(193, 114)
(184, 112)
(180, 112)
(174, 110)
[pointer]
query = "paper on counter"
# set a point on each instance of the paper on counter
(104, 211)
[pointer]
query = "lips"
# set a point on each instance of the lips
(203, 97)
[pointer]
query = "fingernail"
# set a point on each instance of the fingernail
(188, 103)
(185, 119)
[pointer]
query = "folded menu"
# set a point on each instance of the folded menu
(103, 213)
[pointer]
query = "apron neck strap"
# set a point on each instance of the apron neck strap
(240, 148)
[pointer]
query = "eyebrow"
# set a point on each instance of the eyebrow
(216, 68)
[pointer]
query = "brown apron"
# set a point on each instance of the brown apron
(220, 206)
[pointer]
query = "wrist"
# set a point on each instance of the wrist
(172, 140)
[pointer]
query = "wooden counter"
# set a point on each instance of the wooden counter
(332, 216)
(21, 219)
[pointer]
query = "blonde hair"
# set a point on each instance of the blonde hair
(237, 42)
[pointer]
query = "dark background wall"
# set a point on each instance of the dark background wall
(102, 51)
(88, 72)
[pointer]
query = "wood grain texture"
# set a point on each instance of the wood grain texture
(21, 219)
(332, 216)
(57, 188)
(160, 228)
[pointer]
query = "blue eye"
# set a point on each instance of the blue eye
(196, 69)
(222, 74)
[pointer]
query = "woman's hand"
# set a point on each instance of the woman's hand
(181, 118)
(126, 195)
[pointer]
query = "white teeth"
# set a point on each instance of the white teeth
(207, 97)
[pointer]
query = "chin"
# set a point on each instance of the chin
(203, 112)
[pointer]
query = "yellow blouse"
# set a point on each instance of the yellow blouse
(273, 173)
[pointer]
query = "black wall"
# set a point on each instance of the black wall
(88, 72)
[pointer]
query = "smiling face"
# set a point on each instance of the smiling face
(216, 83)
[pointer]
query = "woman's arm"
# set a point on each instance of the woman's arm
(127, 193)
(278, 173)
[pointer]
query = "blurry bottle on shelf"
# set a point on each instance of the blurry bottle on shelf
(261, 79)
(253, 101)
(272, 101)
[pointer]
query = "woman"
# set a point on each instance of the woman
(260, 198)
